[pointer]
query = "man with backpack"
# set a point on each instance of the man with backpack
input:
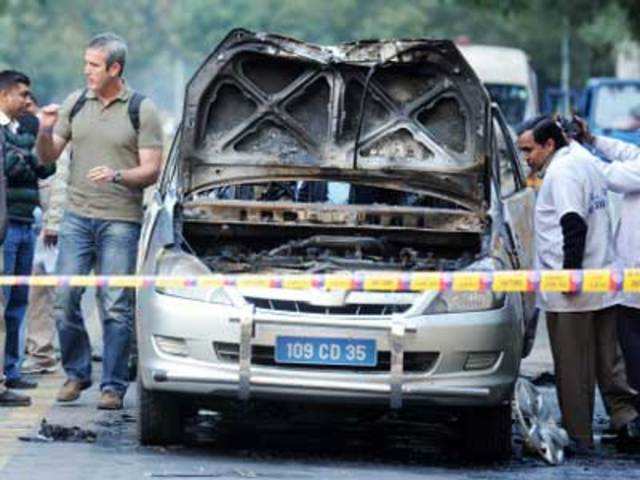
(116, 143)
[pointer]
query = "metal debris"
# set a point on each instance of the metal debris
(50, 432)
(540, 431)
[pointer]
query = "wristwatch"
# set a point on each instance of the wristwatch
(117, 177)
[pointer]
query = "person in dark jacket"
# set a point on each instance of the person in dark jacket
(14, 91)
(22, 170)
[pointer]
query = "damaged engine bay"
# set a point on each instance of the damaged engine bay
(277, 234)
(365, 156)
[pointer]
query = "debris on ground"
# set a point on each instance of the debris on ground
(50, 432)
(115, 421)
(539, 430)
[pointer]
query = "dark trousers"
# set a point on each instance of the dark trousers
(585, 350)
(629, 335)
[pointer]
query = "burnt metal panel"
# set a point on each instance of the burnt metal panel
(261, 102)
(230, 212)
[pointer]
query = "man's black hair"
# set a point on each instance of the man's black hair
(529, 124)
(10, 78)
(549, 128)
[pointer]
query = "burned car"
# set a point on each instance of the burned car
(372, 156)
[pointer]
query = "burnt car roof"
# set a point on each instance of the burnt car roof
(266, 106)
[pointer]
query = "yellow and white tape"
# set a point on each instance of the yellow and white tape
(500, 281)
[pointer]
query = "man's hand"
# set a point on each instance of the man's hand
(48, 116)
(49, 238)
(101, 175)
(584, 135)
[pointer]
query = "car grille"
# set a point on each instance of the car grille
(348, 309)
(265, 356)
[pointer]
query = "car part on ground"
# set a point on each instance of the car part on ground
(535, 418)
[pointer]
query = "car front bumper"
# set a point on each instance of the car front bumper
(445, 383)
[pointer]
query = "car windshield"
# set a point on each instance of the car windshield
(512, 100)
(330, 193)
(617, 107)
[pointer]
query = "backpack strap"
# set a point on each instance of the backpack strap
(134, 109)
(82, 99)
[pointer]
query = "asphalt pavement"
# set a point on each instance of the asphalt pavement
(311, 445)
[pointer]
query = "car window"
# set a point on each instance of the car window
(510, 175)
(170, 164)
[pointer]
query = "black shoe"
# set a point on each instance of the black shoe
(578, 448)
(629, 436)
(12, 399)
(21, 384)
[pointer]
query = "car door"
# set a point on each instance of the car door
(518, 202)
(161, 204)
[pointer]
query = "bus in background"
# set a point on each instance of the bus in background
(509, 78)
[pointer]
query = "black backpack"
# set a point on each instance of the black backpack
(133, 110)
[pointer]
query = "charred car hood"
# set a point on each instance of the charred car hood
(265, 106)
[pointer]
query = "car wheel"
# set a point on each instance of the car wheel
(160, 417)
(487, 432)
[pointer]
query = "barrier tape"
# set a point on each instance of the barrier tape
(592, 281)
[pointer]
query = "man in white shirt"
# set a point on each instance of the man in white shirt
(623, 176)
(573, 231)
(14, 92)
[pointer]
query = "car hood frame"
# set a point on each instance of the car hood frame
(263, 105)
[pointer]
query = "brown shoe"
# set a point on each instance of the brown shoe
(71, 389)
(110, 400)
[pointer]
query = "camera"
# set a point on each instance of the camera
(571, 127)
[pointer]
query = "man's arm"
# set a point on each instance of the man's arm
(574, 239)
(623, 174)
(570, 199)
(617, 150)
(138, 177)
(49, 146)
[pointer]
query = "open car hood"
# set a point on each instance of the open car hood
(263, 106)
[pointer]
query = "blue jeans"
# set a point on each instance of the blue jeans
(19, 246)
(110, 248)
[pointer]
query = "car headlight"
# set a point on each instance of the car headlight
(460, 302)
(176, 263)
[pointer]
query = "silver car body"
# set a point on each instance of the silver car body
(438, 139)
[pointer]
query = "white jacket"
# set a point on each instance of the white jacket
(623, 176)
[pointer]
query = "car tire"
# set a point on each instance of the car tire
(160, 417)
(487, 433)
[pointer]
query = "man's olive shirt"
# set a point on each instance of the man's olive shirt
(105, 136)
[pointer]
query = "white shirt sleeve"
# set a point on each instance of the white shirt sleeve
(623, 174)
(568, 192)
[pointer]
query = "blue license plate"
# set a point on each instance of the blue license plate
(326, 351)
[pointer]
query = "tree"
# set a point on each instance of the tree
(46, 37)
